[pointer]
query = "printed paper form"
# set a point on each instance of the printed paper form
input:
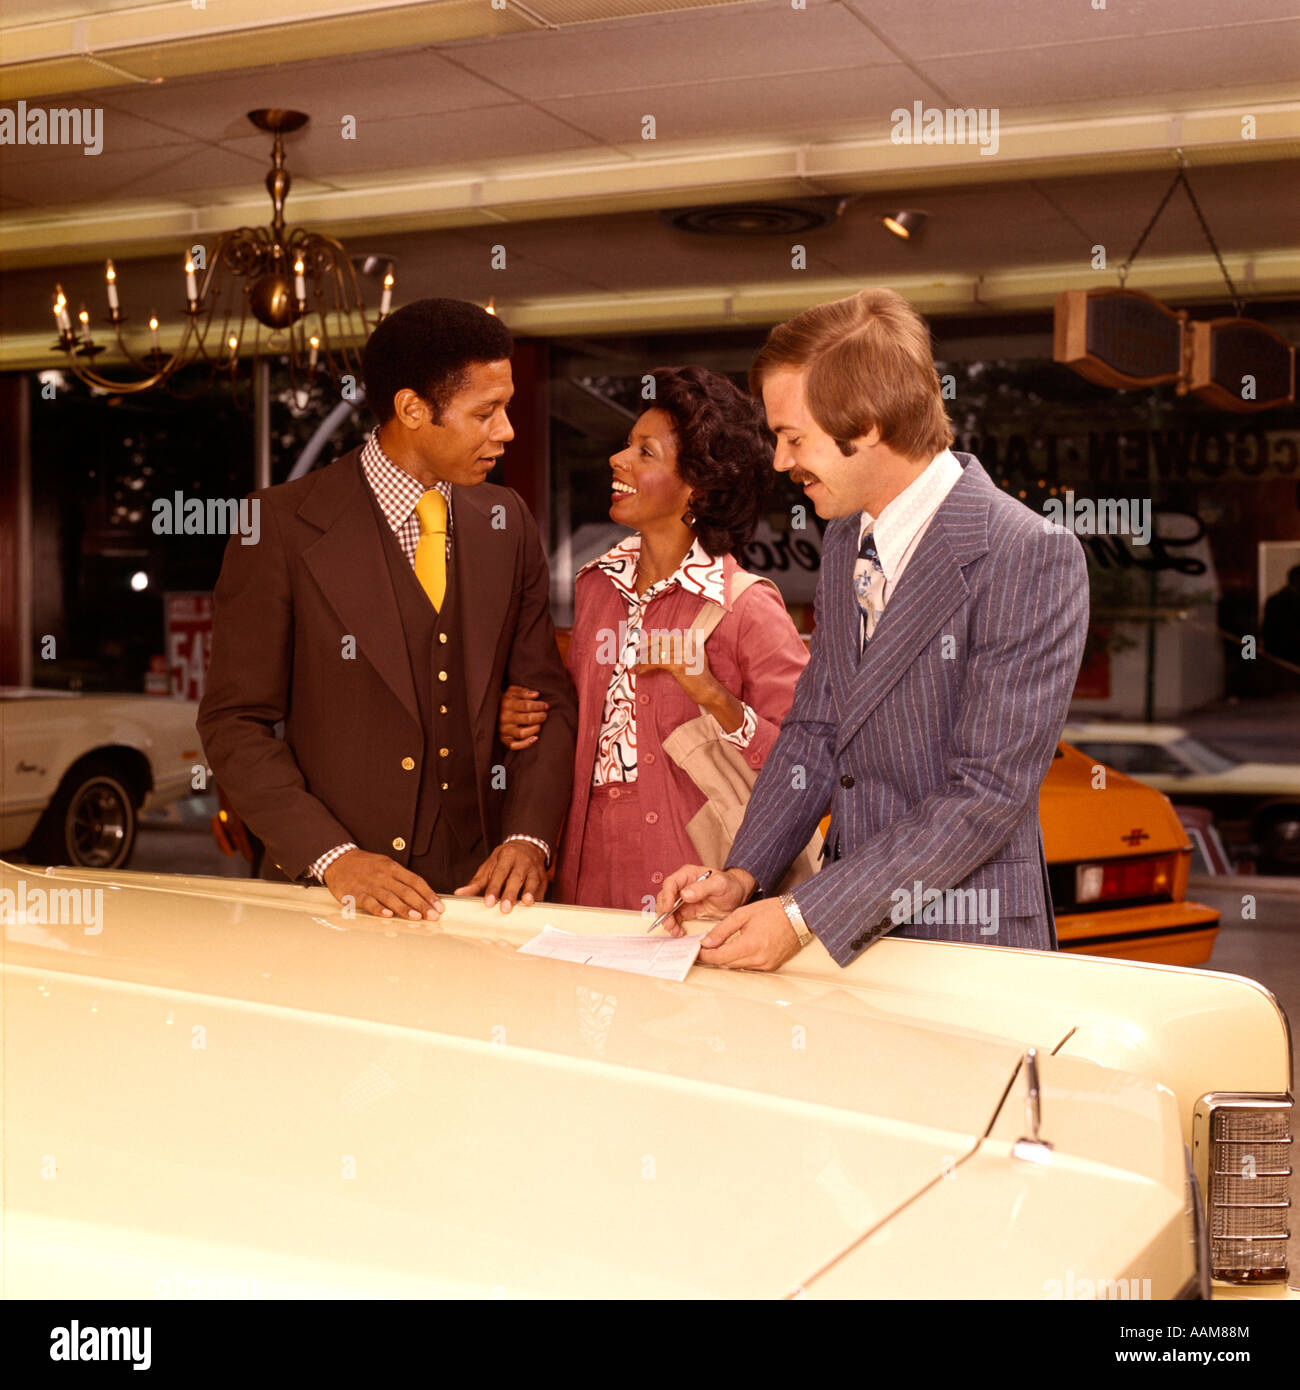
(664, 957)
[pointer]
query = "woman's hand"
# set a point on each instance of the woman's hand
(700, 684)
(520, 716)
(692, 672)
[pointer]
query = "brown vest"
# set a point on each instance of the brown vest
(434, 645)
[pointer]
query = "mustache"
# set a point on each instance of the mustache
(799, 477)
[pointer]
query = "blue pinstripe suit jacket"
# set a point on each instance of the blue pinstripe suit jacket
(932, 748)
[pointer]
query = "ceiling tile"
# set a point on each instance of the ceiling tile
(203, 175)
(1118, 70)
(1248, 207)
(374, 88)
(850, 98)
(677, 49)
(444, 138)
(45, 11)
(989, 228)
(118, 131)
(968, 229)
(637, 250)
(981, 26)
(172, 170)
(712, 78)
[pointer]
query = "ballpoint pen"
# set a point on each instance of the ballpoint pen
(676, 905)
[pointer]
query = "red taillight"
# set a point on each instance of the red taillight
(1122, 880)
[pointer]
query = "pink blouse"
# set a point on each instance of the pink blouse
(700, 574)
(755, 652)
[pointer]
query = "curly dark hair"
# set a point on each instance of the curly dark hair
(429, 346)
(724, 450)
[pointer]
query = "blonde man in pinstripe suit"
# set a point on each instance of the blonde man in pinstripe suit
(950, 627)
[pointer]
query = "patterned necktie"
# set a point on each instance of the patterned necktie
(869, 586)
(431, 550)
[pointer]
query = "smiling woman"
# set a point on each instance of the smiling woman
(718, 452)
(690, 482)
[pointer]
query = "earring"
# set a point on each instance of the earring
(689, 518)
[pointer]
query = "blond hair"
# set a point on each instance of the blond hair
(869, 362)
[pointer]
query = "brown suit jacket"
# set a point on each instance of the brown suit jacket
(306, 631)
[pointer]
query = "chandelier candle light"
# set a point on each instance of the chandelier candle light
(279, 277)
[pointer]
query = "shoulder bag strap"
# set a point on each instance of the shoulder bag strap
(711, 614)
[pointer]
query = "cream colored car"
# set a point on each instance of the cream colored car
(232, 1088)
(76, 770)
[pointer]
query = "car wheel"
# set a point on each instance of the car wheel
(90, 823)
(1277, 833)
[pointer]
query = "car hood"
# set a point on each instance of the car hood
(233, 1065)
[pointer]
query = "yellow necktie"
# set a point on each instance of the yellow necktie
(431, 550)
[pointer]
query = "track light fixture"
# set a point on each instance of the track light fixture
(905, 223)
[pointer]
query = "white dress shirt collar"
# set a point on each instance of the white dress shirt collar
(903, 518)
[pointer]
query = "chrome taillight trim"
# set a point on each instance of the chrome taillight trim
(1204, 1158)
(1200, 1284)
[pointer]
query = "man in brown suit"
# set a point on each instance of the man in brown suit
(391, 595)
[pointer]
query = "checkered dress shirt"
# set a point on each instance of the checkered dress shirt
(397, 493)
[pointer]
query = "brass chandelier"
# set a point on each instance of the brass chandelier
(266, 292)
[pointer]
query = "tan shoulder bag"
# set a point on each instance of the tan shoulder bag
(722, 772)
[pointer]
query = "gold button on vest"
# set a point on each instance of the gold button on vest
(408, 764)
(431, 550)
(444, 752)
(442, 675)
(399, 843)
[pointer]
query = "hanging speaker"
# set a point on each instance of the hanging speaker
(1240, 364)
(1118, 337)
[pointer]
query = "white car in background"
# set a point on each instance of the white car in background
(1259, 802)
(76, 771)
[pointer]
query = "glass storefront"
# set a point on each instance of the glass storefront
(1199, 508)
(107, 543)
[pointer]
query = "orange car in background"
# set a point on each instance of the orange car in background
(1117, 861)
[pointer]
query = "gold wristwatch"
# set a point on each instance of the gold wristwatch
(796, 919)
